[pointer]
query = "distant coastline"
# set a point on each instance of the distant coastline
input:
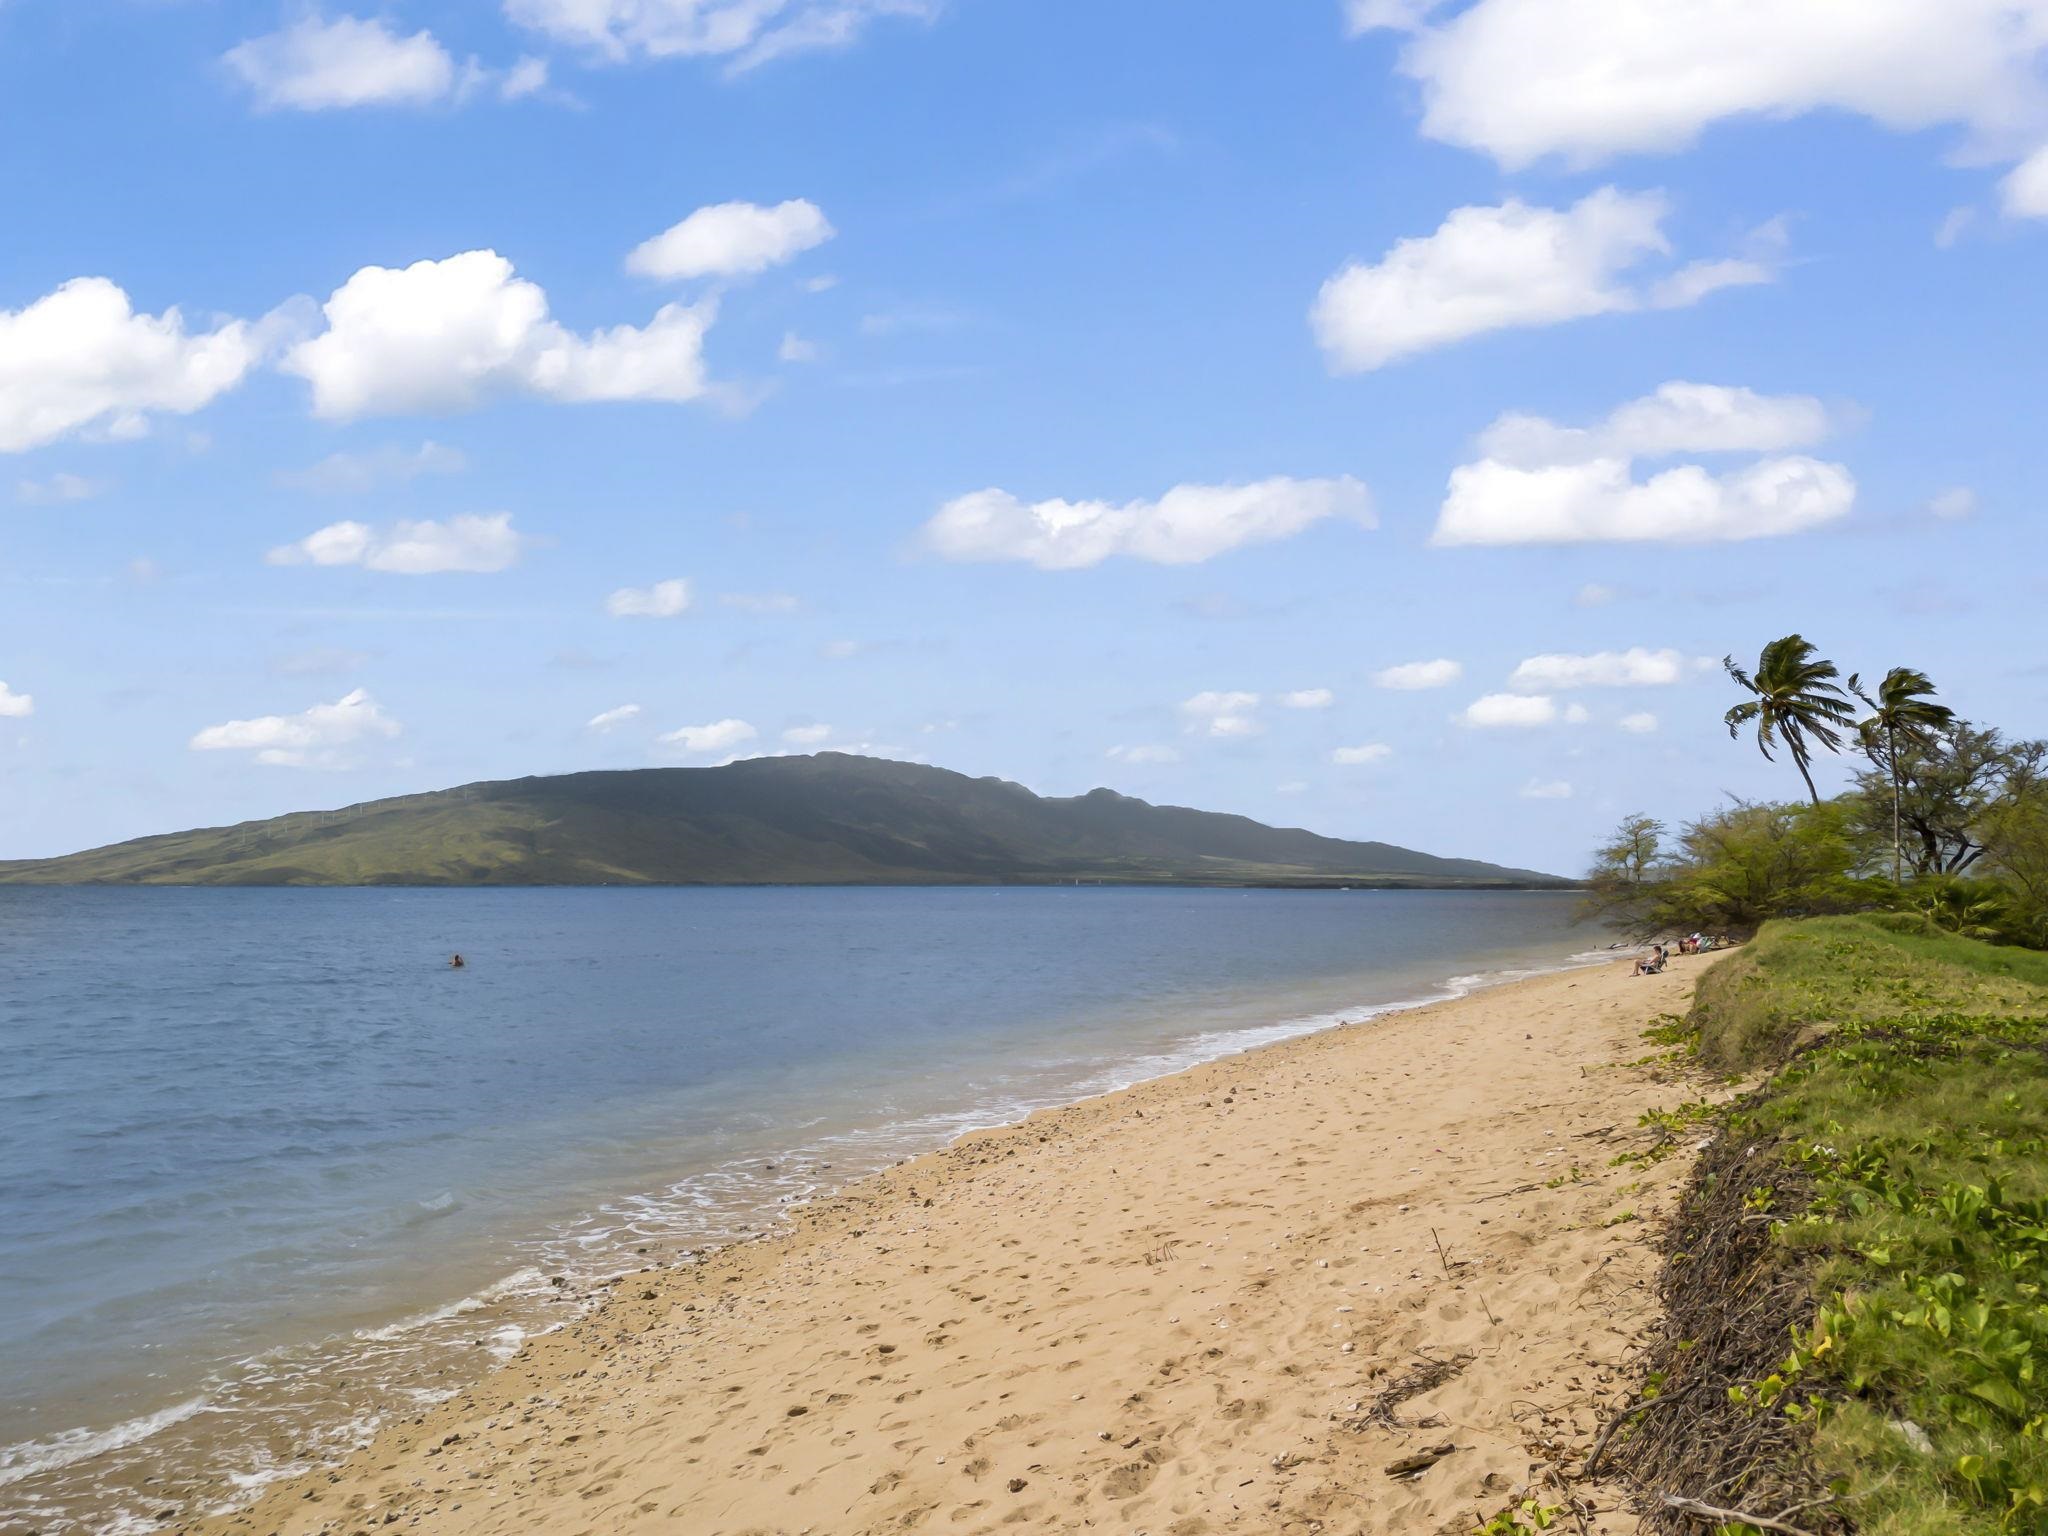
(825, 819)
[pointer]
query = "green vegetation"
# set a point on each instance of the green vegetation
(1797, 980)
(1855, 1285)
(823, 819)
(1948, 822)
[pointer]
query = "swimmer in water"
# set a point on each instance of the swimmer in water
(456, 963)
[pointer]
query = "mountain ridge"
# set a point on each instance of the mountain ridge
(824, 818)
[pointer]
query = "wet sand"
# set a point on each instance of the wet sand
(1166, 1310)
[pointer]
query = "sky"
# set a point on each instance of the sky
(1379, 417)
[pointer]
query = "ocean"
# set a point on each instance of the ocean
(271, 1170)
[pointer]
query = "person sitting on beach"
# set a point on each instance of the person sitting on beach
(1653, 962)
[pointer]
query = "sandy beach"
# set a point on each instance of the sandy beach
(1187, 1307)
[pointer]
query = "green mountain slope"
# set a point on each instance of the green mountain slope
(822, 819)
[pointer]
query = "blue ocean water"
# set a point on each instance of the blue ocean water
(269, 1166)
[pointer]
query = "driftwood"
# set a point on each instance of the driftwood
(1701, 1511)
(1420, 1461)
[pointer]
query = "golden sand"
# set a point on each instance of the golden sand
(1167, 1310)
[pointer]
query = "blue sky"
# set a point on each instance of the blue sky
(1108, 395)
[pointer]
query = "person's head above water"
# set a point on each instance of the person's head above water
(455, 960)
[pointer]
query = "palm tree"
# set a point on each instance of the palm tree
(1903, 707)
(1797, 700)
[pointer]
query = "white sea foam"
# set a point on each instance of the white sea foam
(75, 1445)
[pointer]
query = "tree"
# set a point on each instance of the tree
(1902, 710)
(1796, 701)
(1621, 885)
(1952, 779)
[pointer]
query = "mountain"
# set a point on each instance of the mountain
(824, 819)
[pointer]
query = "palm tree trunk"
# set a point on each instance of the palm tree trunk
(1799, 762)
(1892, 748)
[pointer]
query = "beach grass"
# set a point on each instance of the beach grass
(1856, 1281)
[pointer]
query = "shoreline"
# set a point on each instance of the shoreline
(508, 1310)
(649, 1315)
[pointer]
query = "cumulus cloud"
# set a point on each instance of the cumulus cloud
(1410, 676)
(806, 735)
(1215, 713)
(794, 349)
(1576, 714)
(15, 706)
(1540, 483)
(718, 736)
(81, 359)
(612, 717)
(1588, 79)
(325, 736)
(358, 473)
(315, 64)
(446, 335)
(1142, 754)
(1307, 698)
(1190, 523)
(2024, 193)
(663, 600)
(731, 240)
(1678, 417)
(746, 32)
(1506, 267)
(1636, 667)
(1639, 724)
(1510, 709)
(1546, 789)
(60, 487)
(470, 541)
(1370, 752)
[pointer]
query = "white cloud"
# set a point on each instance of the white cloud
(1677, 418)
(80, 358)
(1953, 226)
(15, 706)
(1510, 709)
(1494, 503)
(528, 77)
(1142, 754)
(840, 650)
(1189, 523)
(1587, 79)
(1635, 667)
(748, 32)
(60, 487)
(1594, 595)
(347, 62)
(806, 735)
(2024, 193)
(1954, 504)
(470, 541)
(1576, 714)
(719, 736)
(1222, 714)
(761, 602)
(612, 717)
(794, 349)
(1546, 789)
(663, 600)
(1370, 752)
(357, 473)
(1413, 675)
(325, 736)
(1307, 698)
(1499, 268)
(731, 240)
(1640, 724)
(446, 335)
(1540, 483)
